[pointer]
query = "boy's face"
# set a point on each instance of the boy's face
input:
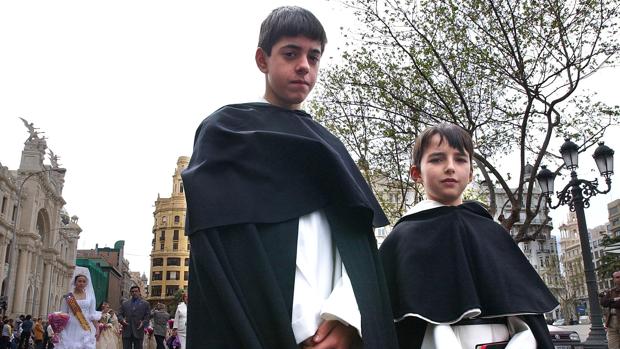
(444, 172)
(290, 71)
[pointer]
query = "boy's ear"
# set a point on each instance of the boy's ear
(261, 60)
(415, 174)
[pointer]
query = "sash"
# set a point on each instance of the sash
(77, 311)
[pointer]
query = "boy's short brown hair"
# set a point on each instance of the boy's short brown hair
(455, 135)
(290, 21)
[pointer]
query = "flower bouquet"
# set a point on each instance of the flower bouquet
(58, 320)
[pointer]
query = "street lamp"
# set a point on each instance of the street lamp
(17, 217)
(576, 194)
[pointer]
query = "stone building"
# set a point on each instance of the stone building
(572, 263)
(38, 240)
(170, 252)
(112, 269)
(613, 209)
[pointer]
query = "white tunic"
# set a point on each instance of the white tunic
(323, 290)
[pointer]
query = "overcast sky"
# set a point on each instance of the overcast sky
(119, 88)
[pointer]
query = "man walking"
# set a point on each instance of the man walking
(611, 300)
(134, 316)
(24, 338)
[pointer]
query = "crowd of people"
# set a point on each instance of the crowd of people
(133, 326)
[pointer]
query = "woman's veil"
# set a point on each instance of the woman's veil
(90, 291)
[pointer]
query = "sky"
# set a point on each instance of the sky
(119, 88)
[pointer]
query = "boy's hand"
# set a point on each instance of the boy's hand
(333, 334)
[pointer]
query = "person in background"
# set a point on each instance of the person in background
(180, 319)
(38, 334)
(160, 321)
(26, 331)
(7, 332)
(108, 337)
(50, 333)
(611, 301)
(173, 341)
(134, 317)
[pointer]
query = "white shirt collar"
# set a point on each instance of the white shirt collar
(423, 206)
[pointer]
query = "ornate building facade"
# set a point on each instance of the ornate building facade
(38, 239)
(170, 252)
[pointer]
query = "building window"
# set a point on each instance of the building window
(186, 275)
(158, 262)
(175, 246)
(181, 188)
(188, 246)
(156, 276)
(156, 291)
(172, 275)
(186, 261)
(162, 236)
(164, 219)
(173, 261)
(161, 246)
(175, 235)
(170, 290)
(177, 219)
(4, 199)
(14, 214)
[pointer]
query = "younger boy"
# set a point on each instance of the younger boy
(456, 278)
(280, 218)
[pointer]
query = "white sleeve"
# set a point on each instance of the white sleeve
(93, 314)
(342, 305)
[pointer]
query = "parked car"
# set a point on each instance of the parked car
(584, 319)
(559, 322)
(563, 338)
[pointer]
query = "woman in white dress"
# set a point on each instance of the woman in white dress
(79, 303)
(108, 329)
(180, 319)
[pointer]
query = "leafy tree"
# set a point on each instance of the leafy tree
(609, 262)
(506, 71)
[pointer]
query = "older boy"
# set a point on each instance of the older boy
(456, 278)
(279, 217)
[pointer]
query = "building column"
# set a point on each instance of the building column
(47, 284)
(19, 301)
(3, 247)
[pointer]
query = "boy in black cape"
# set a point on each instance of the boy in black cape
(456, 278)
(279, 217)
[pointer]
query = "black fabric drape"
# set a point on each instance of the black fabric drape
(258, 163)
(242, 281)
(255, 170)
(442, 262)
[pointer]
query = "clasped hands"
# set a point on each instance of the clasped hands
(333, 334)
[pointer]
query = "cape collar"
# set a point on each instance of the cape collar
(423, 206)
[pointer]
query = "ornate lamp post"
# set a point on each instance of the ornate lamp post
(576, 194)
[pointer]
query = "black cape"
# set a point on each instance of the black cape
(255, 170)
(441, 262)
(258, 163)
